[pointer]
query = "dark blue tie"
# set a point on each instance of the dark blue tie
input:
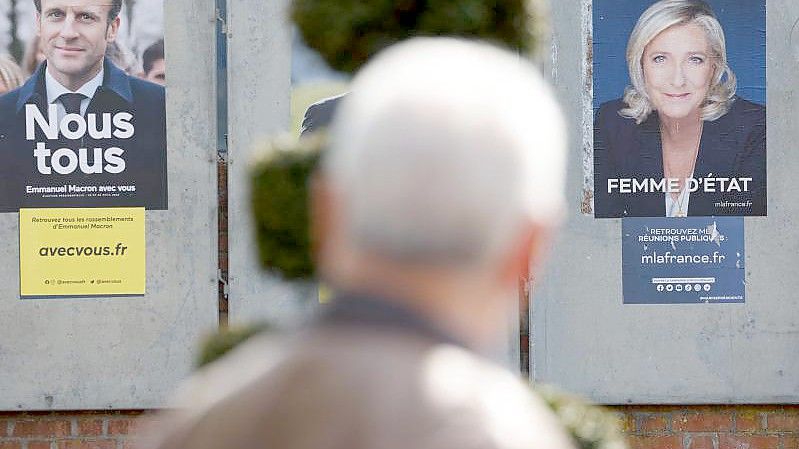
(71, 102)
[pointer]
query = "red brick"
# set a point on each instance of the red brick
(790, 442)
(654, 423)
(650, 409)
(90, 427)
(708, 409)
(703, 422)
(699, 442)
(120, 426)
(87, 444)
(626, 422)
(41, 428)
(130, 444)
(10, 445)
(782, 422)
(728, 441)
(655, 442)
(38, 445)
(748, 421)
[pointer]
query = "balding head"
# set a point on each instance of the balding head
(444, 151)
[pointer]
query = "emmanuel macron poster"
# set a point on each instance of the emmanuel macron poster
(87, 128)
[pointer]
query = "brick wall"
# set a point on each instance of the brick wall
(68, 430)
(648, 427)
(711, 427)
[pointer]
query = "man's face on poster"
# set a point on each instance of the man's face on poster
(74, 35)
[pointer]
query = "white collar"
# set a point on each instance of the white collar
(56, 89)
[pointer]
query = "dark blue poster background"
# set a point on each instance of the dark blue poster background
(744, 23)
(683, 260)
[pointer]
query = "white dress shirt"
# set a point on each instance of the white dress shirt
(675, 206)
(56, 89)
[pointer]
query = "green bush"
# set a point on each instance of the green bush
(280, 205)
(349, 32)
(591, 426)
(220, 343)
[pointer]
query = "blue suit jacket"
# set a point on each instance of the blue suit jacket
(734, 145)
(144, 152)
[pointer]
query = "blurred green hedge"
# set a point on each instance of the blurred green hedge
(216, 345)
(591, 426)
(349, 32)
(280, 194)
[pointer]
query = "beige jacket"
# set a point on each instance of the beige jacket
(352, 388)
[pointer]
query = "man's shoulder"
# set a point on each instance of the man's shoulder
(8, 108)
(146, 89)
(117, 80)
(320, 114)
(329, 103)
(8, 100)
(147, 97)
(447, 391)
(390, 389)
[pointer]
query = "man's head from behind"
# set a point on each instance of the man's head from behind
(74, 35)
(447, 158)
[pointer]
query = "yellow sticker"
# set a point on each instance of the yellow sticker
(82, 252)
(325, 294)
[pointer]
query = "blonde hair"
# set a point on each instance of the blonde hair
(10, 73)
(657, 18)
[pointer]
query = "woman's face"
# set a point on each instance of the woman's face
(678, 71)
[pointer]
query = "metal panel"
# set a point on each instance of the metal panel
(586, 341)
(259, 77)
(129, 353)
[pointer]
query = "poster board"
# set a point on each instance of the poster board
(130, 353)
(585, 338)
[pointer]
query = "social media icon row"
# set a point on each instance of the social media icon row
(683, 287)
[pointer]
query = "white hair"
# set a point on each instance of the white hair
(443, 150)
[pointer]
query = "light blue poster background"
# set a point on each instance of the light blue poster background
(683, 260)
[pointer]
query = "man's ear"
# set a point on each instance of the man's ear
(320, 213)
(527, 255)
(38, 24)
(113, 28)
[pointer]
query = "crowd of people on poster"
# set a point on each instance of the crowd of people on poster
(82, 117)
(680, 117)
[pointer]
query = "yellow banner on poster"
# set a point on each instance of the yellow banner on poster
(82, 252)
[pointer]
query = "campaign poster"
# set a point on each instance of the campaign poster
(81, 252)
(695, 260)
(679, 94)
(83, 122)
